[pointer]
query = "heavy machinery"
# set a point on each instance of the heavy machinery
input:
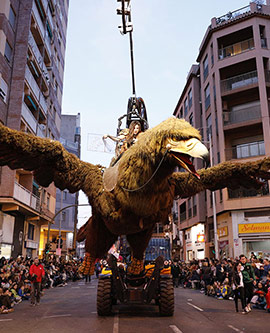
(153, 286)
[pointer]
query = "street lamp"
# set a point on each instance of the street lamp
(214, 203)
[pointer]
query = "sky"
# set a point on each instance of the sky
(97, 81)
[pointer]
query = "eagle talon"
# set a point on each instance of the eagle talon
(88, 265)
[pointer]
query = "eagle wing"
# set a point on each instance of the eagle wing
(226, 174)
(48, 159)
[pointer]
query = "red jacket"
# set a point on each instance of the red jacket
(38, 270)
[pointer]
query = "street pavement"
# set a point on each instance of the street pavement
(72, 309)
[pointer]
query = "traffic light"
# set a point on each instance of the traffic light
(47, 247)
(61, 242)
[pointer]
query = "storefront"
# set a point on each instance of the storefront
(195, 242)
(6, 235)
(255, 237)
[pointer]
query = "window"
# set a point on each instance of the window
(189, 208)
(183, 214)
(12, 17)
(185, 107)
(214, 88)
(191, 119)
(48, 30)
(8, 52)
(3, 90)
(31, 103)
(190, 98)
(218, 157)
(209, 127)
(40, 9)
(48, 201)
(181, 113)
(205, 67)
(194, 206)
(31, 230)
(212, 54)
(220, 195)
(207, 97)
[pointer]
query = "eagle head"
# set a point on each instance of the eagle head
(181, 141)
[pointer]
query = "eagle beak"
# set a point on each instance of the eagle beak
(183, 150)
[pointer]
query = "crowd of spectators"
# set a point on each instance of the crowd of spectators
(15, 280)
(216, 278)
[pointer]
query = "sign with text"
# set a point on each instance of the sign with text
(253, 228)
(222, 232)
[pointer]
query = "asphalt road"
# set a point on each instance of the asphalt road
(72, 309)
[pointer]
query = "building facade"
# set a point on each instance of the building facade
(226, 96)
(32, 52)
(65, 223)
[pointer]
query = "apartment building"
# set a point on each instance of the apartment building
(227, 97)
(66, 222)
(32, 52)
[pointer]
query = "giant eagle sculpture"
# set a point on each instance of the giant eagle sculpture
(138, 191)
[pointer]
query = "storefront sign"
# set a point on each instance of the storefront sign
(222, 232)
(223, 244)
(31, 244)
(201, 238)
(253, 228)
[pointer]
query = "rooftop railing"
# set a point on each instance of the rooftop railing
(232, 15)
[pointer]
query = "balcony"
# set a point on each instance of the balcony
(41, 131)
(35, 88)
(236, 48)
(32, 82)
(50, 19)
(245, 150)
(246, 193)
(243, 115)
(28, 117)
(239, 81)
(48, 45)
(38, 20)
(35, 49)
(25, 196)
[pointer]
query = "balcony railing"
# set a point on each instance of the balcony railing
(35, 88)
(245, 150)
(38, 19)
(48, 45)
(41, 131)
(32, 82)
(232, 15)
(236, 48)
(26, 197)
(239, 81)
(35, 49)
(239, 116)
(245, 193)
(28, 117)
